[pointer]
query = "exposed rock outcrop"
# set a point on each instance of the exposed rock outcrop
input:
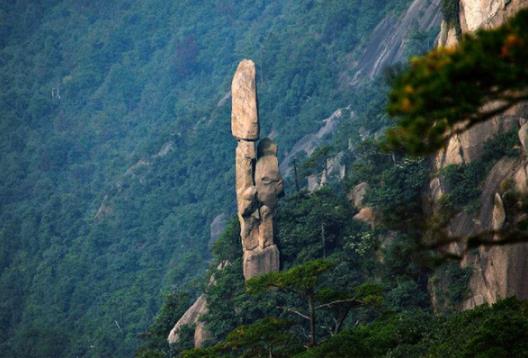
(523, 137)
(499, 214)
(194, 317)
(334, 169)
(357, 195)
(258, 180)
(388, 42)
(466, 147)
(367, 216)
(191, 317)
(497, 271)
(310, 142)
(244, 115)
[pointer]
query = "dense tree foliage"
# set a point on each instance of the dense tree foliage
(117, 156)
(116, 151)
(388, 251)
(303, 281)
(496, 331)
(402, 324)
(345, 288)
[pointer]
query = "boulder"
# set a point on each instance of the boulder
(357, 195)
(268, 180)
(244, 111)
(520, 179)
(366, 215)
(499, 214)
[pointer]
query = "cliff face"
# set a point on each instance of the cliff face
(497, 271)
(389, 41)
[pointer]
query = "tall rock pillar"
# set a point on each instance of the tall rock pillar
(258, 181)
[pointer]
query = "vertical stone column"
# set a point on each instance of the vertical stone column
(258, 181)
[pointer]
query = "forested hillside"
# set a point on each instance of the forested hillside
(389, 235)
(116, 151)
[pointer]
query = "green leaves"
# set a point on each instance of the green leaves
(496, 331)
(451, 89)
(263, 338)
(301, 279)
(397, 194)
(268, 336)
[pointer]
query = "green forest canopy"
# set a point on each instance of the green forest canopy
(114, 107)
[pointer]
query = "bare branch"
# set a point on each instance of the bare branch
(336, 302)
(294, 311)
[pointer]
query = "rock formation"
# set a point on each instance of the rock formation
(192, 317)
(258, 180)
(258, 187)
(357, 195)
(357, 198)
(497, 271)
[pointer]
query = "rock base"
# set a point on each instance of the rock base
(260, 261)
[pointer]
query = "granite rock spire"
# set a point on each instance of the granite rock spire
(258, 180)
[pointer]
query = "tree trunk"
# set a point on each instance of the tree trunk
(323, 239)
(311, 313)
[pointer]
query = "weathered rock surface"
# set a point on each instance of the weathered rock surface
(261, 260)
(389, 41)
(189, 318)
(334, 170)
(468, 146)
(244, 110)
(523, 137)
(194, 316)
(499, 214)
(268, 180)
(201, 335)
(258, 181)
(520, 180)
(476, 14)
(357, 195)
(367, 216)
(310, 142)
(497, 271)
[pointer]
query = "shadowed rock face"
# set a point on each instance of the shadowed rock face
(258, 180)
(497, 271)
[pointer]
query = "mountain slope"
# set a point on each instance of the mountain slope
(117, 154)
